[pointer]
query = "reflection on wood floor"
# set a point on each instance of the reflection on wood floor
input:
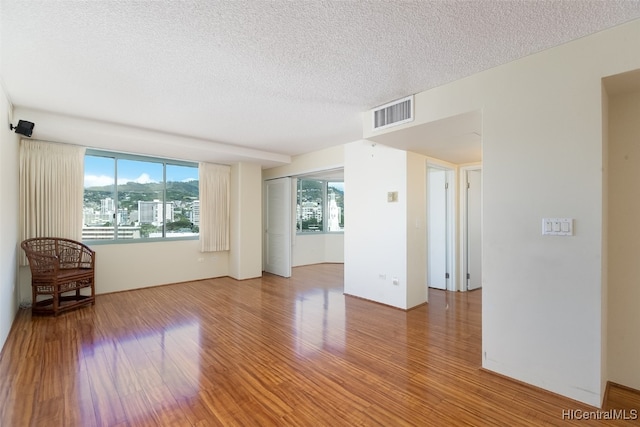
(267, 351)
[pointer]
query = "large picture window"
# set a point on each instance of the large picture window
(131, 197)
(320, 206)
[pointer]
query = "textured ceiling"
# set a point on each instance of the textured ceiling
(285, 77)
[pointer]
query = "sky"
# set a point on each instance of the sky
(99, 171)
(338, 185)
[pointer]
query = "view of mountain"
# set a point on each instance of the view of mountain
(131, 192)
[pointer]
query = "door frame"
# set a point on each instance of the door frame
(326, 173)
(464, 261)
(450, 176)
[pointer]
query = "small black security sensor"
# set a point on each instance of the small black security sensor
(24, 128)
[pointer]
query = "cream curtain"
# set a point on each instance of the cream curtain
(51, 190)
(214, 207)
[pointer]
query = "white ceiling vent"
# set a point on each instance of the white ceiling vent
(393, 113)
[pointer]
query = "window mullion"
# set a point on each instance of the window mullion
(299, 206)
(116, 200)
(164, 200)
(325, 207)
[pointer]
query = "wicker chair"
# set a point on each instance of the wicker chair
(60, 270)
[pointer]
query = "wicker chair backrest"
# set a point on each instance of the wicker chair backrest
(49, 254)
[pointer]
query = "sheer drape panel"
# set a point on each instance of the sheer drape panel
(51, 190)
(214, 207)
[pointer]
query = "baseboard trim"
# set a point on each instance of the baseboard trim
(578, 403)
(623, 387)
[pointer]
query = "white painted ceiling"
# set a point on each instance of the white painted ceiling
(286, 77)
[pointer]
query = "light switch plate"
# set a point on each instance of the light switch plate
(557, 226)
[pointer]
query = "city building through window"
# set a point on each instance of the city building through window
(320, 206)
(132, 197)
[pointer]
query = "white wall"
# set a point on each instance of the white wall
(9, 245)
(604, 262)
(327, 159)
(542, 157)
(416, 231)
(389, 239)
(245, 256)
(126, 266)
(624, 240)
(317, 248)
(122, 267)
(375, 246)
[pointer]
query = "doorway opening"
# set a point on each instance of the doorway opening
(471, 220)
(440, 228)
(304, 220)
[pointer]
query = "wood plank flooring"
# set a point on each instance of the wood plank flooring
(267, 352)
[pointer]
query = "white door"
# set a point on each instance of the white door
(437, 274)
(278, 227)
(474, 229)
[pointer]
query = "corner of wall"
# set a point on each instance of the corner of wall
(604, 349)
(620, 234)
(245, 256)
(417, 290)
(371, 172)
(9, 218)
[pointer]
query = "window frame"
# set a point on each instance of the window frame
(325, 207)
(140, 158)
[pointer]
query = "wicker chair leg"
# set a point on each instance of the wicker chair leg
(34, 297)
(56, 300)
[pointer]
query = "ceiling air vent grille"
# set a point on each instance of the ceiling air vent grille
(393, 113)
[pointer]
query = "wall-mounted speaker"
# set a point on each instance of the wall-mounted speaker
(24, 128)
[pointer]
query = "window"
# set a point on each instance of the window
(320, 206)
(132, 197)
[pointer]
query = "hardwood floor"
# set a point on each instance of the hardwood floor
(269, 351)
